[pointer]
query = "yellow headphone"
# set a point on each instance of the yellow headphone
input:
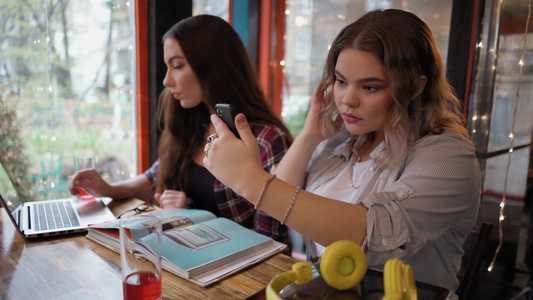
(342, 266)
(398, 281)
(301, 273)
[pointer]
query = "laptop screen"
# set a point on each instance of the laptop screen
(10, 198)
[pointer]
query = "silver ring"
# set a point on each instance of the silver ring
(211, 138)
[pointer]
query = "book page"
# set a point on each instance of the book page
(195, 236)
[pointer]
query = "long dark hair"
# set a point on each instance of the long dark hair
(226, 74)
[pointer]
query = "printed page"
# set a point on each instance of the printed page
(196, 246)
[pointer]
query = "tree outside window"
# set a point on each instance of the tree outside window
(66, 88)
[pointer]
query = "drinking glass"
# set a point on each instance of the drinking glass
(140, 254)
(82, 163)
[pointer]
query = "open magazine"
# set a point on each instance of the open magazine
(196, 245)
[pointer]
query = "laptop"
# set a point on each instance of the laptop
(43, 218)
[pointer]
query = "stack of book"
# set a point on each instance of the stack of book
(196, 245)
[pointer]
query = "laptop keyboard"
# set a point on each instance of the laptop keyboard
(54, 215)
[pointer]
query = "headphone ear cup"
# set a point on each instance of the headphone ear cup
(392, 279)
(398, 280)
(343, 264)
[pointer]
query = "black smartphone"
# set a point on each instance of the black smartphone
(227, 113)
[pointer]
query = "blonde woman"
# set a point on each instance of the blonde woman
(383, 160)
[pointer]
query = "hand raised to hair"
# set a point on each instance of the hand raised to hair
(319, 100)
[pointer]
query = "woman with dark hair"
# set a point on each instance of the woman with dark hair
(384, 159)
(207, 64)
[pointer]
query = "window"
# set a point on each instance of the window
(500, 114)
(67, 87)
(218, 8)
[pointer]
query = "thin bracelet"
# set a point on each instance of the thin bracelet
(263, 190)
(291, 205)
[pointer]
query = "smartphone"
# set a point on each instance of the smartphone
(227, 113)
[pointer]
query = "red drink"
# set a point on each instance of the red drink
(83, 195)
(142, 286)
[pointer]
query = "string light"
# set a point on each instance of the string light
(51, 98)
(511, 147)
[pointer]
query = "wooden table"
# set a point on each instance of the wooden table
(73, 267)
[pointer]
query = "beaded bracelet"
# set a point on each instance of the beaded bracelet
(291, 205)
(263, 190)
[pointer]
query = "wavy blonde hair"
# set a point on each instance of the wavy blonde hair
(406, 47)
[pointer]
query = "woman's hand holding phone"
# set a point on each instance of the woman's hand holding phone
(226, 152)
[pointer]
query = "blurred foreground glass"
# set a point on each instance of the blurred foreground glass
(140, 253)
